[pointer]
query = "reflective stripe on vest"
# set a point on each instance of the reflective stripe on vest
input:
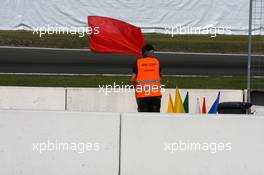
(148, 78)
(148, 81)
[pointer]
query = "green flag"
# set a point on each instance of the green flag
(186, 103)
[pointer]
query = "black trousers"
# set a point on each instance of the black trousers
(149, 104)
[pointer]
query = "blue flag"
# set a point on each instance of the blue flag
(214, 107)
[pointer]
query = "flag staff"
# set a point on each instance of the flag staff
(249, 52)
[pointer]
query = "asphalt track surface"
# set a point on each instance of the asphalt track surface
(81, 61)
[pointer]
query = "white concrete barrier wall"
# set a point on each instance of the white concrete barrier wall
(32, 98)
(154, 144)
(95, 136)
(92, 99)
(257, 110)
(63, 142)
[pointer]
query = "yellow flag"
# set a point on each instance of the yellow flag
(170, 104)
(178, 106)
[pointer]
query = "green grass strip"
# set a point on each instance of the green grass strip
(212, 82)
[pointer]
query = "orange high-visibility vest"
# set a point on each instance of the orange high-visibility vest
(148, 78)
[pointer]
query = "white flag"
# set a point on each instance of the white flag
(198, 107)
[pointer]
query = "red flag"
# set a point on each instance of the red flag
(115, 36)
(204, 106)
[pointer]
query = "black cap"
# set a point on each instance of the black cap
(146, 48)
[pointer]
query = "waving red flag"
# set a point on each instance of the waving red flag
(115, 36)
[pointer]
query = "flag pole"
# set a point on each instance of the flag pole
(249, 52)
